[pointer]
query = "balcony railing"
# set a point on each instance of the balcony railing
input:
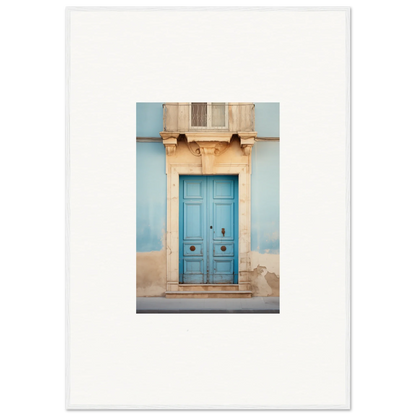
(187, 117)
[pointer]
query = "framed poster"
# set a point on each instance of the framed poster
(213, 143)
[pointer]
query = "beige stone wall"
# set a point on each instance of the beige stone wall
(151, 273)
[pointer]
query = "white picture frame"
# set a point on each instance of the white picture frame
(300, 361)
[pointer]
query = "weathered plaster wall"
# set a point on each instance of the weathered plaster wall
(150, 219)
(265, 213)
(151, 273)
(265, 277)
(150, 196)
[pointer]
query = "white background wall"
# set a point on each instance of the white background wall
(117, 57)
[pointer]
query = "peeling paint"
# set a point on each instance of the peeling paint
(259, 284)
(274, 283)
(269, 260)
(265, 278)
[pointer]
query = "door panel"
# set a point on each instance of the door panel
(224, 221)
(192, 249)
(223, 271)
(194, 266)
(223, 266)
(208, 229)
(223, 249)
(193, 218)
(193, 189)
(223, 189)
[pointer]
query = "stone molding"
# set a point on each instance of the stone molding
(244, 216)
(208, 145)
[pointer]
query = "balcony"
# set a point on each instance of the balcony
(213, 117)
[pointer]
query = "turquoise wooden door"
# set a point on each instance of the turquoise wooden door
(208, 229)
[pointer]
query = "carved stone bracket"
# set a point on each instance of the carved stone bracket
(247, 149)
(220, 148)
(247, 140)
(170, 149)
(209, 145)
(208, 156)
(170, 140)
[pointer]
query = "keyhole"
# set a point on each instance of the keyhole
(223, 232)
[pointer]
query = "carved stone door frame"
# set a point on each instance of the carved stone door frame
(205, 167)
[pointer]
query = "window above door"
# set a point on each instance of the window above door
(210, 116)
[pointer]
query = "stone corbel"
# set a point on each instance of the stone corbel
(207, 150)
(210, 145)
(170, 140)
(247, 149)
(247, 140)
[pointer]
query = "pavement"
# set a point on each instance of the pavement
(256, 304)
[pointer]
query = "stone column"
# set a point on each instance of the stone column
(170, 140)
(247, 140)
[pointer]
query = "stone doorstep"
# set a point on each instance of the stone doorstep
(209, 294)
(207, 287)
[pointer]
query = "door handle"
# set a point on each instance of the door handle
(223, 232)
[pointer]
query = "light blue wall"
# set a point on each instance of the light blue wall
(265, 211)
(149, 119)
(151, 190)
(151, 180)
(267, 119)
